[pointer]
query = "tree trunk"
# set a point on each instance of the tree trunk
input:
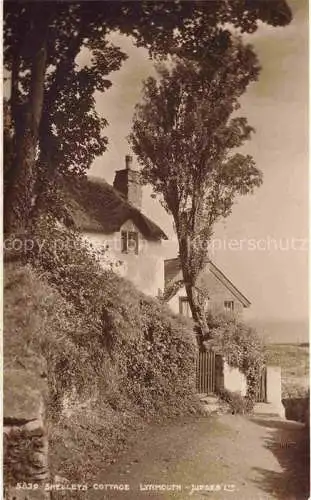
(198, 314)
(18, 202)
(190, 277)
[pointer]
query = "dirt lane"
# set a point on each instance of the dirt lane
(243, 458)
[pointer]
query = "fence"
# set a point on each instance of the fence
(211, 376)
(261, 396)
(206, 373)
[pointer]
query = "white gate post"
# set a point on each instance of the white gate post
(274, 389)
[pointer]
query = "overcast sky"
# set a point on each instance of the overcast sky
(258, 245)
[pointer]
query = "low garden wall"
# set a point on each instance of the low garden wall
(234, 380)
(297, 409)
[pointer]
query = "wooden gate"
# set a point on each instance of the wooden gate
(261, 396)
(206, 372)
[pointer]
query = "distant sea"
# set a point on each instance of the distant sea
(282, 332)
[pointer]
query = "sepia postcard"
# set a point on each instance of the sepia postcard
(155, 250)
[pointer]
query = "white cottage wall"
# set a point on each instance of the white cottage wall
(145, 270)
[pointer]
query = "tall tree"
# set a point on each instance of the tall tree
(186, 138)
(68, 132)
(55, 122)
(27, 123)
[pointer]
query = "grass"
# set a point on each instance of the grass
(294, 362)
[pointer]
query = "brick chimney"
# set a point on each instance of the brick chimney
(127, 182)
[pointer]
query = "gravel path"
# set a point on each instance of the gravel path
(216, 457)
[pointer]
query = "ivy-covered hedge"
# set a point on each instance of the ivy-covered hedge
(116, 358)
(116, 343)
(240, 345)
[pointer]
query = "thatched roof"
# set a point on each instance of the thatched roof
(95, 206)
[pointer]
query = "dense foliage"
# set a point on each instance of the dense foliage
(238, 404)
(115, 357)
(240, 345)
(141, 354)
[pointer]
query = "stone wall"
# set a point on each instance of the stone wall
(297, 409)
(25, 440)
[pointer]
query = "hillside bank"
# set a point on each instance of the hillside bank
(115, 359)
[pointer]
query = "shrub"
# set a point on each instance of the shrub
(115, 357)
(237, 403)
(124, 346)
(38, 319)
(297, 407)
(240, 345)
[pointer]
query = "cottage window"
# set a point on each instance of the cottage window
(129, 242)
(184, 307)
(229, 305)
